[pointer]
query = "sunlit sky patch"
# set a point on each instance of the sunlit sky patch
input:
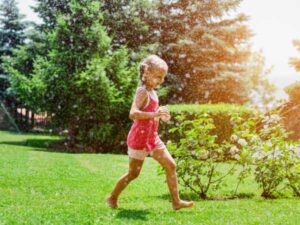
(276, 25)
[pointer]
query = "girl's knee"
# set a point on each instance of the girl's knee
(171, 166)
(133, 175)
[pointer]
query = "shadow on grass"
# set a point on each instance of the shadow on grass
(52, 145)
(190, 196)
(38, 144)
(13, 132)
(132, 214)
(55, 144)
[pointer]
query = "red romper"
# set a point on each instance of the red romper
(143, 134)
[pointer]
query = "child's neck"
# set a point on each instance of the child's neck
(148, 88)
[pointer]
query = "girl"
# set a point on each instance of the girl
(143, 138)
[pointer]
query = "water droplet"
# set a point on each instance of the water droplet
(182, 56)
(206, 95)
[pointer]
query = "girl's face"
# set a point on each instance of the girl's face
(154, 77)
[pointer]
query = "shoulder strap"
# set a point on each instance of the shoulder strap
(142, 89)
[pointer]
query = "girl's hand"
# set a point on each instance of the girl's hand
(160, 114)
(165, 113)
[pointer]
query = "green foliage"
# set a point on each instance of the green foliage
(209, 108)
(216, 72)
(83, 83)
(262, 90)
(20, 68)
(206, 50)
(106, 93)
(293, 176)
(256, 144)
(274, 159)
(48, 10)
(220, 113)
(11, 35)
(198, 155)
(119, 15)
(11, 26)
(24, 85)
(262, 140)
(28, 90)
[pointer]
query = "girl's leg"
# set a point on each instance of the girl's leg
(167, 162)
(135, 166)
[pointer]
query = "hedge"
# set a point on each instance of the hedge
(220, 113)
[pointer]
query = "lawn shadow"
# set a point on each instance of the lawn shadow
(185, 196)
(38, 145)
(132, 214)
(191, 196)
(245, 195)
(54, 145)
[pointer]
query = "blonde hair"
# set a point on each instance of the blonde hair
(150, 62)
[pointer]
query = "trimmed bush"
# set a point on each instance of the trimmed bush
(253, 141)
(198, 157)
(220, 113)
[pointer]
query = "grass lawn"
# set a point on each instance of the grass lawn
(43, 186)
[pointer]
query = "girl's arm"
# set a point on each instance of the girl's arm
(139, 102)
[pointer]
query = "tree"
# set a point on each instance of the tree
(290, 110)
(262, 90)
(35, 45)
(20, 66)
(119, 15)
(82, 82)
(296, 61)
(293, 89)
(48, 10)
(11, 35)
(206, 49)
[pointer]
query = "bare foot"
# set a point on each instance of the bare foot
(182, 204)
(112, 202)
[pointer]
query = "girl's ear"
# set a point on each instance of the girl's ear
(143, 79)
(143, 67)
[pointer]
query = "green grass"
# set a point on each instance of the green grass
(42, 186)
